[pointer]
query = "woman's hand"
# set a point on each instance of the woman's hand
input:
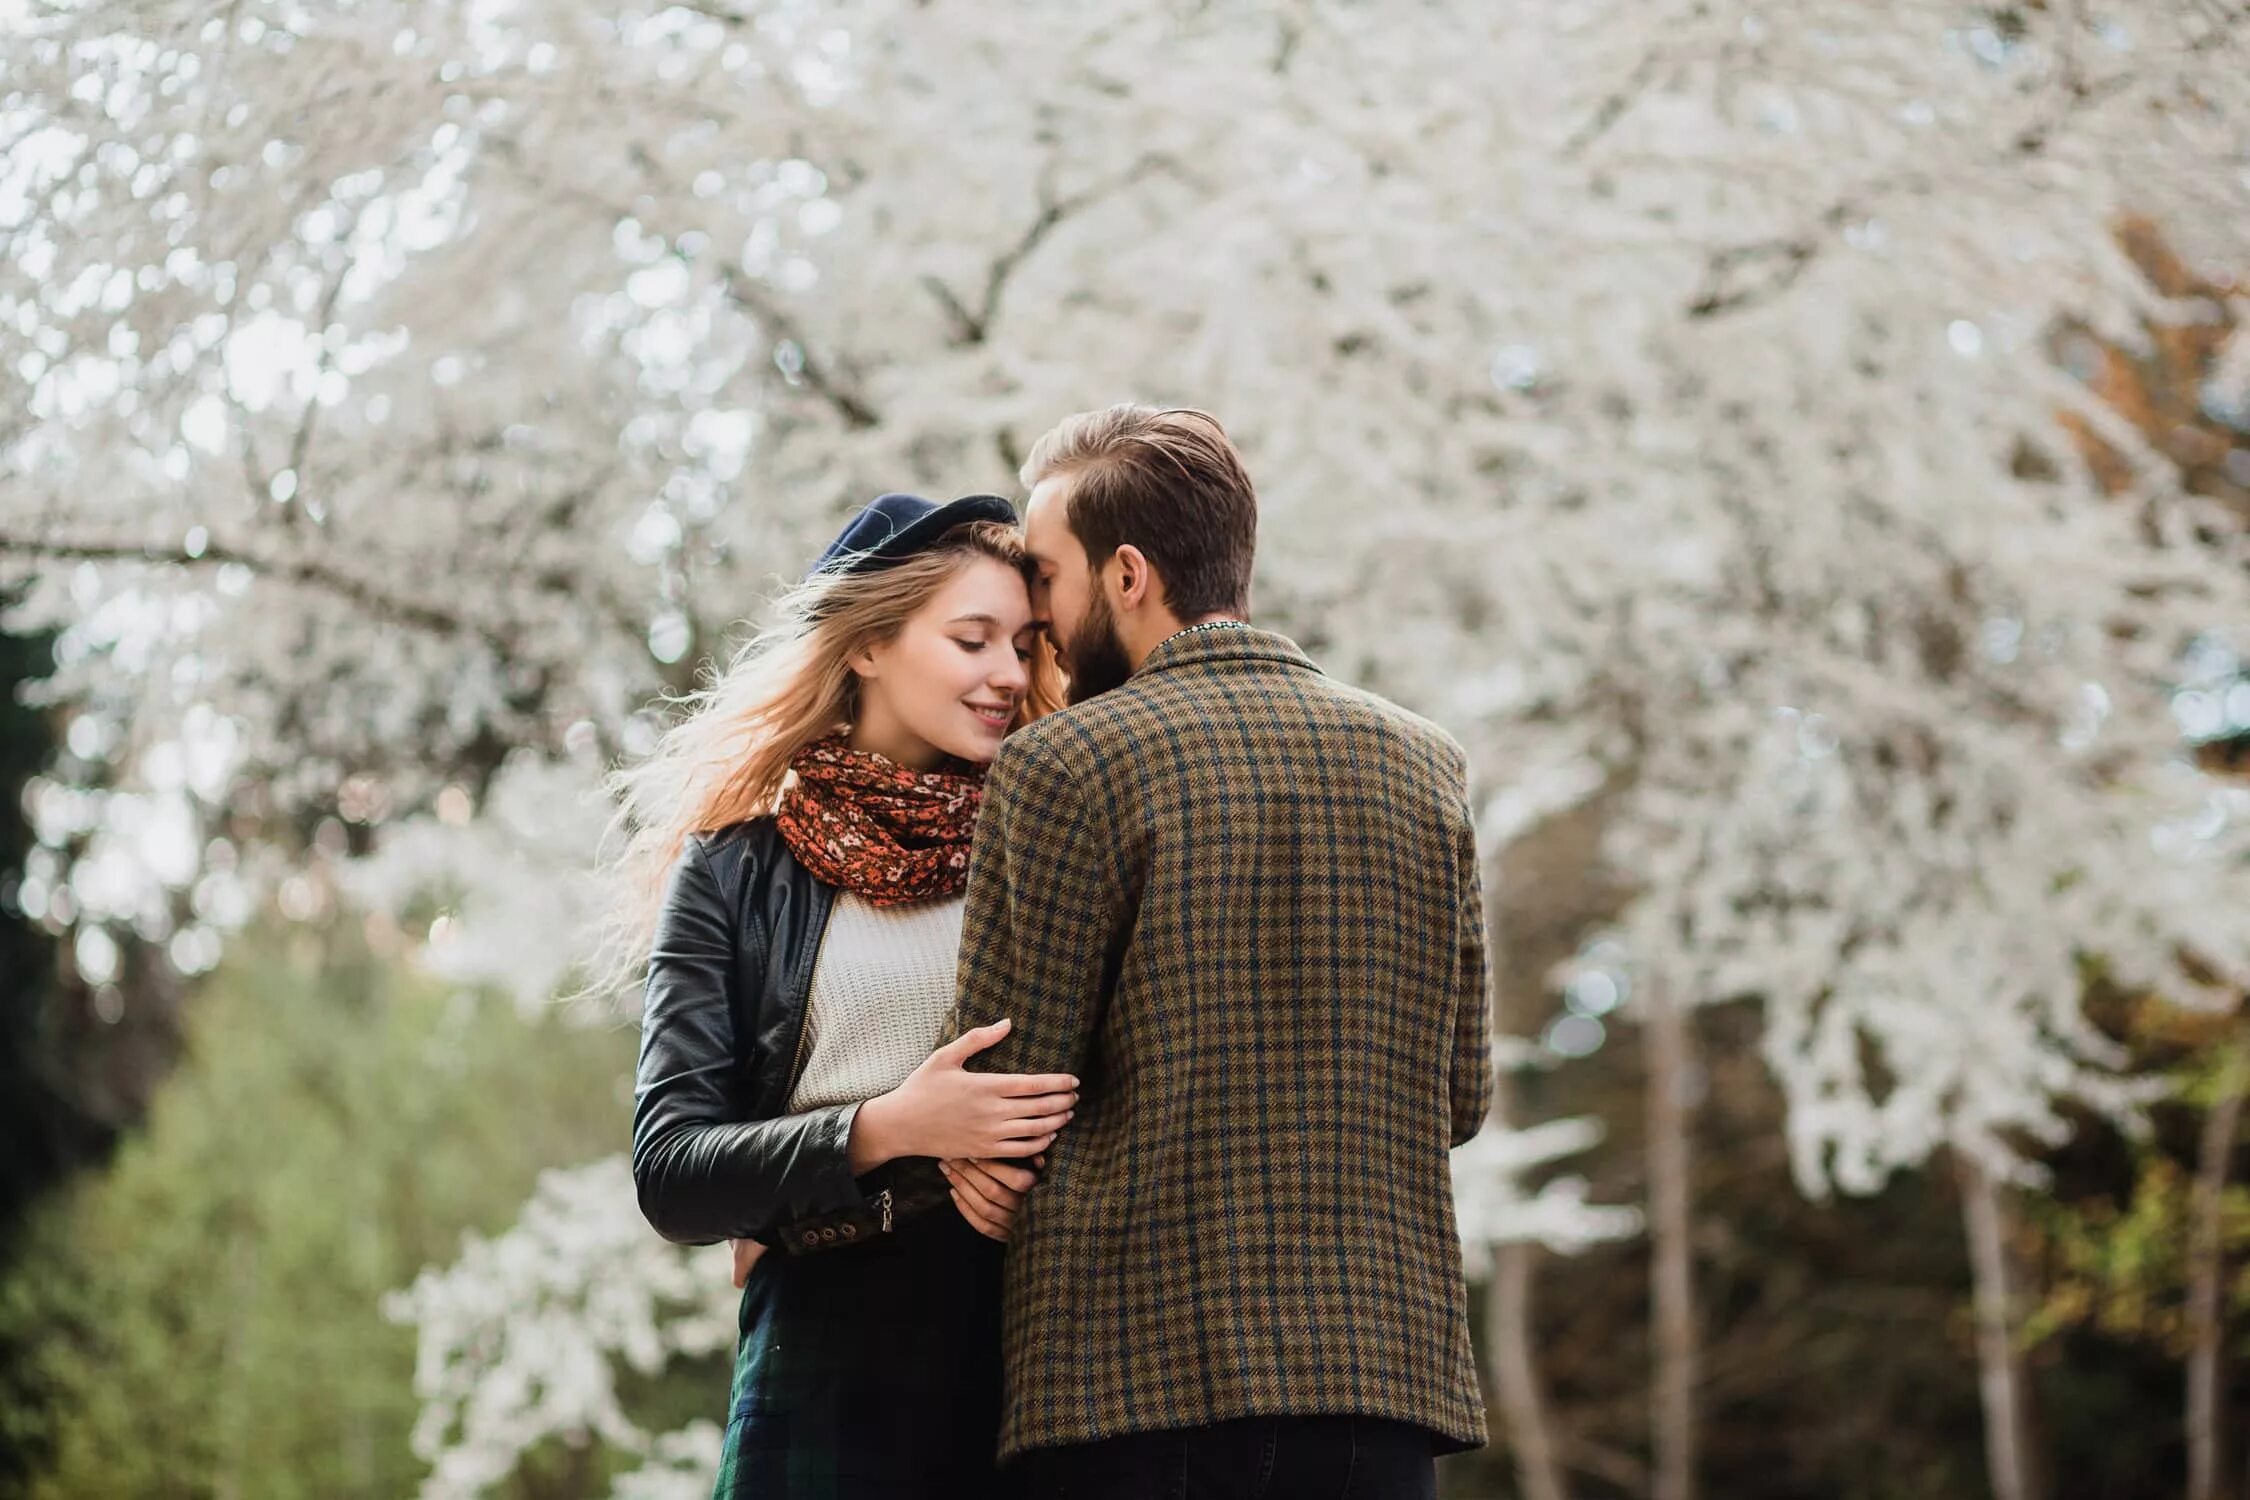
(988, 1193)
(946, 1111)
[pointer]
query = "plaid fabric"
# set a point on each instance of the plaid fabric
(1240, 901)
(869, 1372)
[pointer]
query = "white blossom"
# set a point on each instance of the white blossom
(513, 876)
(1494, 1209)
(522, 1336)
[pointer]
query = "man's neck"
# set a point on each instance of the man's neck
(1143, 637)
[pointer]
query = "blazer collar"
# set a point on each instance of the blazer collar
(1194, 647)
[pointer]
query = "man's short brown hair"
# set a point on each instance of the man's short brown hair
(1165, 480)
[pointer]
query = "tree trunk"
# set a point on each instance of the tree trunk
(1671, 1278)
(2206, 1375)
(1523, 1405)
(2000, 1378)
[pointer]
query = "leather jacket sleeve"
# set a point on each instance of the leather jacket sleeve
(705, 1171)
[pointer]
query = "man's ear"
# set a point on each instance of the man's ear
(1135, 579)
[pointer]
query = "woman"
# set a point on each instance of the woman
(813, 813)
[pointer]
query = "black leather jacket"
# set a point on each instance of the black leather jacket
(715, 1156)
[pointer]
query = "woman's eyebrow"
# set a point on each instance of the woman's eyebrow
(974, 620)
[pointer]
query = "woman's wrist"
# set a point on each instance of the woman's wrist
(873, 1138)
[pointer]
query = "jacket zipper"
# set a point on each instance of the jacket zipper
(804, 1016)
(797, 1062)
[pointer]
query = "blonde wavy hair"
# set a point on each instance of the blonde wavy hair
(725, 758)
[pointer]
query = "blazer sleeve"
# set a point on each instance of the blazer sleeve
(1471, 1075)
(1044, 917)
(705, 1171)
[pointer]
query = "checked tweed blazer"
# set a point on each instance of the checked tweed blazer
(1241, 902)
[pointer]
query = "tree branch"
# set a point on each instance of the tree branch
(966, 328)
(810, 372)
(972, 327)
(1792, 255)
(300, 447)
(1613, 108)
(1782, 262)
(734, 20)
(848, 404)
(304, 571)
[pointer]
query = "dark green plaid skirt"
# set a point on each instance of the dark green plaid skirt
(873, 1370)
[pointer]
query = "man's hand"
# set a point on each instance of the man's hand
(988, 1193)
(746, 1253)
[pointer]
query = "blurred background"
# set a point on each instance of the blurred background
(1803, 451)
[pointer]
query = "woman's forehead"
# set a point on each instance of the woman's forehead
(987, 592)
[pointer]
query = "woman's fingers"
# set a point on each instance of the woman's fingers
(971, 1042)
(1022, 1085)
(1028, 1106)
(1016, 1150)
(1017, 1129)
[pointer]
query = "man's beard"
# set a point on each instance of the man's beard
(1095, 655)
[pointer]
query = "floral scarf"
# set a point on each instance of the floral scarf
(885, 832)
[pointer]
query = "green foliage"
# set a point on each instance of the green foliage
(33, 1121)
(205, 1314)
(37, 1127)
(2118, 1263)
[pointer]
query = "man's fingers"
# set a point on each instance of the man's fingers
(967, 1183)
(973, 1041)
(976, 1221)
(990, 1186)
(1010, 1176)
(746, 1253)
(1023, 1085)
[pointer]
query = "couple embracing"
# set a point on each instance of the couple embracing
(1079, 1078)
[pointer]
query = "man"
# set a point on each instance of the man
(1240, 901)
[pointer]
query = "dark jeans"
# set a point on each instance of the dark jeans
(1255, 1458)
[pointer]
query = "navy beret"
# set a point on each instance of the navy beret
(894, 527)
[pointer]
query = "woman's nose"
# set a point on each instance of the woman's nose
(1011, 675)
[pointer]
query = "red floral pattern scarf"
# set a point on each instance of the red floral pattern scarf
(885, 832)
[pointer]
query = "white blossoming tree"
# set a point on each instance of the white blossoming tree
(394, 397)
(520, 1339)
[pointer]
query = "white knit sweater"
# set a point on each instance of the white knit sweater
(881, 990)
